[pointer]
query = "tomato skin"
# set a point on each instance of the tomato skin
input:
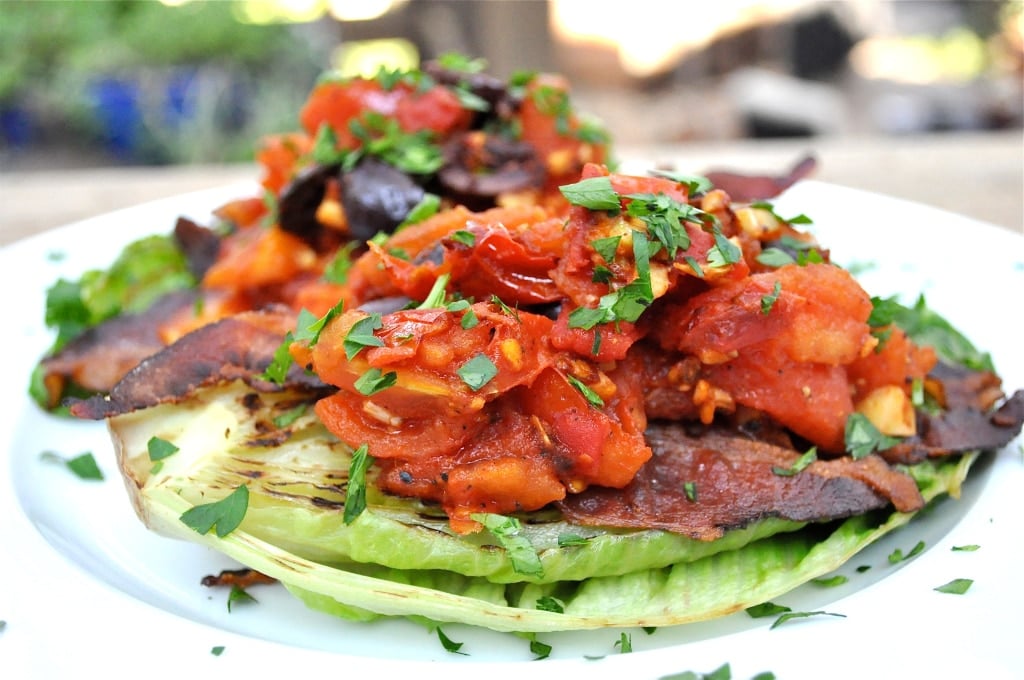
(499, 264)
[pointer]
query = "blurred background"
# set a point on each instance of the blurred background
(183, 82)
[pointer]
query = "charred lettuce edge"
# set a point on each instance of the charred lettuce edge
(646, 578)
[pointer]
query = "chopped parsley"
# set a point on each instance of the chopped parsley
(593, 193)
(522, 554)
(355, 493)
(626, 303)
(308, 329)
(383, 138)
(550, 604)
(624, 643)
(225, 514)
(217, 650)
(768, 301)
(360, 335)
(957, 586)
(338, 267)
(897, 556)
(466, 238)
(805, 459)
(695, 184)
(428, 206)
(477, 372)
(664, 217)
(83, 465)
(437, 296)
(456, 61)
(690, 489)
(449, 644)
(239, 595)
(290, 416)
(592, 397)
(863, 438)
(606, 247)
(766, 609)
(775, 257)
(374, 380)
(540, 650)
(789, 616)
(159, 449)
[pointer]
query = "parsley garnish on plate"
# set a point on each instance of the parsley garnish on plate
(897, 556)
(238, 595)
(957, 586)
(83, 465)
(225, 514)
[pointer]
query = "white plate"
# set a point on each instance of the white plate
(84, 585)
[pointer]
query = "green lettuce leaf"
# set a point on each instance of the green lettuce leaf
(398, 558)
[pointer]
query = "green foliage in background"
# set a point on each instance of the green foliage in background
(245, 80)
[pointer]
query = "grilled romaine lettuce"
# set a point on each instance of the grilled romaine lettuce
(398, 557)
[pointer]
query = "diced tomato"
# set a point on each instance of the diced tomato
(818, 313)
(437, 110)
(813, 400)
(243, 212)
(264, 257)
(552, 128)
(427, 349)
(356, 421)
(335, 103)
(605, 342)
(897, 361)
(592, 445)
(279, 155)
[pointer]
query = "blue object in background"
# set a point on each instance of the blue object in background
(116, 103)
(16, 128)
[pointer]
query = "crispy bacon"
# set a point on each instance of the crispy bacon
(242, 578)
(972, 418)
(235, 348)
(745, 188)
(99, 357)
(705, 485)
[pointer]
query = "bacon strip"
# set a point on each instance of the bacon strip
(745, 188)
(733, 484)
(99, 357)
(973, 417)
(235, 348)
